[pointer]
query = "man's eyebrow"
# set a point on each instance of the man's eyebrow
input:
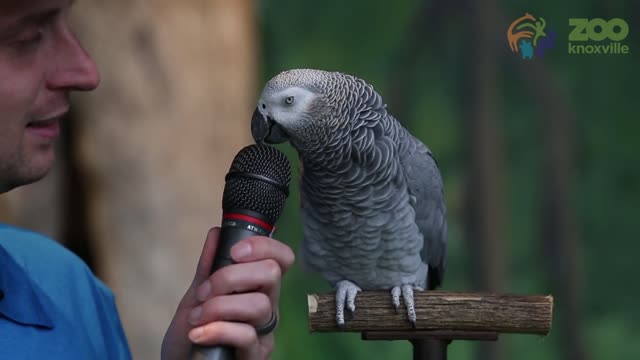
(35, 17)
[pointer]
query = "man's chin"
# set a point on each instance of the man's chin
(41, 165)
(10, 184)
(35, 169)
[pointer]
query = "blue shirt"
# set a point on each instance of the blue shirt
(53, 306)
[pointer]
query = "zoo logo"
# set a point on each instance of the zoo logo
(598, 30)
(524, 41)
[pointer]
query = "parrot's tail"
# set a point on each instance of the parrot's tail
(434, 278)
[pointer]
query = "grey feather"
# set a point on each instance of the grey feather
(372, 201)
(425, 185)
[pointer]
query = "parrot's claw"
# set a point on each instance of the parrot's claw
(395, 297)
(346, 292)
(407, 296)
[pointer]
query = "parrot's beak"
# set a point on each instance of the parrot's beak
(265, 129)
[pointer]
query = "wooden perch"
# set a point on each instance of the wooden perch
(440, 312)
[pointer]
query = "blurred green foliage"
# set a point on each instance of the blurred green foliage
(366, 39)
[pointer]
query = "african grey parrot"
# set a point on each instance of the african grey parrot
(372, 199)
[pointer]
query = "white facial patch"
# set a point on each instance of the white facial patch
(287, 107)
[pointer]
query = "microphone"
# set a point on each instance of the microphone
(255, 191)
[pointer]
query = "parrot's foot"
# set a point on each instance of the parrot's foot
(346, 291)
(407, 296)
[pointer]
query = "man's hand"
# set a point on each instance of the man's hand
(225, 307)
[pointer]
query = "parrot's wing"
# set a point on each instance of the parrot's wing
(426, 192)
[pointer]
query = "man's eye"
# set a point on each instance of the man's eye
(33, 35)
(29, 39)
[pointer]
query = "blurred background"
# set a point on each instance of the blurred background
(538, 155)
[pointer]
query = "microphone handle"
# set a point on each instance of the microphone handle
(212, 353)
(231, 232)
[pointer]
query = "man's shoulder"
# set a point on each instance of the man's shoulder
(21, 239)
(28, 246)
(82, 308)
(43, 257)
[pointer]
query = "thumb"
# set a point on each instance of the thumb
(203, 270)
(207, 256)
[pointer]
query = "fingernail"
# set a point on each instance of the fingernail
(194, 316)
(241, 251)
(195, 334)
(203, 291)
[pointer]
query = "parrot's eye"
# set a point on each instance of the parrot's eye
(289, 100)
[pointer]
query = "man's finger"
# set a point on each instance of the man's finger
(235, 334)
(252, 308)
(263, 275)
(257, 248)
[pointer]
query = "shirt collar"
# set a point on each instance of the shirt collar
(24, 302)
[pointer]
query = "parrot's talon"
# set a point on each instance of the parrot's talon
(351, 307)
(407, 295)
(346, 292)
(395, 298)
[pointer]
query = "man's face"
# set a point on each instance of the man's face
(41, 61)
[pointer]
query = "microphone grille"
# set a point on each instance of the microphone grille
(258, 180)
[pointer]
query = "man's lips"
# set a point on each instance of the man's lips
(48, 128)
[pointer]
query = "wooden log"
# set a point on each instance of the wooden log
(430, 334)
(437, 310)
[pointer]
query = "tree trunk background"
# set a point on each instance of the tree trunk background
(484, 198)
(149, 149)
(562, 245)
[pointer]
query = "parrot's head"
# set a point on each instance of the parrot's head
(299, 106)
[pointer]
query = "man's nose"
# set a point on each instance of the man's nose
(74, 69)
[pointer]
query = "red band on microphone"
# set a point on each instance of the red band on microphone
(249, 219)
